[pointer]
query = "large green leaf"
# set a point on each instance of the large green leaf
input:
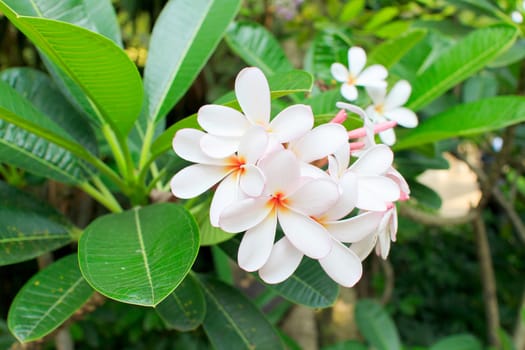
(185, 308)
(329, 46)
(48, 299)
(376, 326)
(98, 66)
(233, 322)
(185, 35)
(309, 285)
(467, 119)
(257, 47)
(28, 227)
(462, 60)
(25, 136)
(139, 256)
(38, 88)
(458, 342)
(390, 52)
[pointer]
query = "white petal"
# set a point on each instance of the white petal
(305, 234)
(342, 265)
(393, 225)
(399, 179)
(373, 76)
(403, 116)
(342, 157)
(364, 247)
(225, 194)
(349, 91)
(312, 172)
(186, 144)
(377, 94)
(388, 137)
(195, 179)
(314, 197)
(283, 261)
(377, 160)
(355, 228)
(253, 93)
(256, 244)
(292, 123)
(245, 214)
(398, 96)
(356, 60)
(253, 144)
(339, 72)
(222, 121)
(281, 170)
(347, 198)
(252, 180)
(375, 191)
(219, 146)
(384, 244)
(320, 142)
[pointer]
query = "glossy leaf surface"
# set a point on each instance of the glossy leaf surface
(376, 326)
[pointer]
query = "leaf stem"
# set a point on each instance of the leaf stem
(106, 200)
(146, 145)
(118, 152)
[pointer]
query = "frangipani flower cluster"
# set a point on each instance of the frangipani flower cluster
(332, 200)
(384, 107)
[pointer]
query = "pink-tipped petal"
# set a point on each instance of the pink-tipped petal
(253, 144)
(256, 244)
(342, 265)
(398, 96)
(305, 234)
(222, 121)
(281, 171)
(320, 142)
(253, 93)
(403, 116)
(292, 123)
(219, 146)
(377, 160)
(347, 200)
(364, 247)
(374, 192)
(355, 228)
(373, 76)
(349, 91)
(356, 60)
(388, 137)
(245, 214)
(314, 197)
(339, 72)
(282, 263)
(393, 225)
(377, 94)
(225, 194)
(195, 179)
(252, 180)
(186, 144)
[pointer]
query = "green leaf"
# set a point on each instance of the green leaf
(479, 87)
(515, 54)
(390, 52)
(95, 15)
(467, 119)
(48, 299)
(6, 339)
(381, 17)
(329, 46)
(346, 345)
(28, 227)
(462, 60)
(185, 308)
(309, 285)
(351, 10)
(139, 256)
(25, 136)
(425, 196)
(209, 235)
(100, 68)
(233, 322)
(257, 47)
(458, 342)
(376, 326)
(38, 88)
(184, 37)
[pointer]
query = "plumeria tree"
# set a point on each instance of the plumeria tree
(296, 176)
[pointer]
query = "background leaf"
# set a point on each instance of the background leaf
(390, 52)
(458, 342)
(233, 322)
(156, 248)
(185, 308)
(48, 299)
(376, 326)
(467, 119)
(28, 227)
(257, 47)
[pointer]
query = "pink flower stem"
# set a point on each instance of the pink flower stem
(361, 132)
(340, 117)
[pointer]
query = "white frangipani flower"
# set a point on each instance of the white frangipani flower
(355, 75)
(389, 107)
(225, 126)
(287, 198)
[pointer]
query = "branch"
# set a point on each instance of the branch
(511, 213)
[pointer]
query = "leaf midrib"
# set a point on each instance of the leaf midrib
(143, 253)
